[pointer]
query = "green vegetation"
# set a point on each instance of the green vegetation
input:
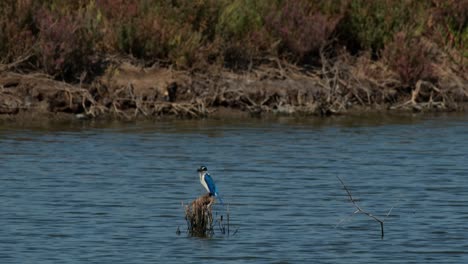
(65, 38)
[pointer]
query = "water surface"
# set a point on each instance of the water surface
(85, 192)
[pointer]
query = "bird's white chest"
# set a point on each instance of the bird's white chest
(203, 182)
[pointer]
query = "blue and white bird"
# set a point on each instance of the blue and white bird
(208, 182)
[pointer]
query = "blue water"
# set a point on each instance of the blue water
(86, 192)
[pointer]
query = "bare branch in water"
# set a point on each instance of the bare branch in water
(360, 210)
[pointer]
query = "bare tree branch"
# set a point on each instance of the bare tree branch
(360, 210)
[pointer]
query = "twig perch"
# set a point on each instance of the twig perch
(360, 210)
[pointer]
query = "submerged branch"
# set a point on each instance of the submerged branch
(360, 210)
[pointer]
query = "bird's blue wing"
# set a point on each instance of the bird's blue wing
(211, 185)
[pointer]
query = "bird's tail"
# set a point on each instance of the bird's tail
(220, 199)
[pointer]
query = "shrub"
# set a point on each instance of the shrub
(448, 24)
(16, 29)
(184, 48)
(200, 16)
(368, 25)
(239, 18)
(241, 33)
(66, 45)
(410, 57)
(158, 30)
(192, 42)
(301, 27)
(119, 27)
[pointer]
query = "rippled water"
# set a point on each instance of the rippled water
(112, 193)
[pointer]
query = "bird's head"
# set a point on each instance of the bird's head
(202, 169)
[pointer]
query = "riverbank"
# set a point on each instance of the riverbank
(125, 91)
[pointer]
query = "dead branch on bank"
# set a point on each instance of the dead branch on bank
(360, 210)
(437, 99)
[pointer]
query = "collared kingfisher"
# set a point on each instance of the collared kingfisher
(208, 182)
